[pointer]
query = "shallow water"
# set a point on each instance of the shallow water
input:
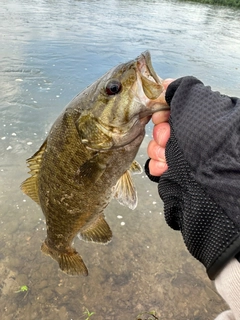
(50, 51)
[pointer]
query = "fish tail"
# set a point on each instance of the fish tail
(69, 262)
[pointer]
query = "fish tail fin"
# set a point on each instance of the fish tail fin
(69, 262)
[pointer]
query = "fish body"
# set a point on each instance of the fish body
(88, 158)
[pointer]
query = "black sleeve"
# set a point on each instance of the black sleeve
(151, 177)
(201, 187)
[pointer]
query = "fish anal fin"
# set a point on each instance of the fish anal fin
(70, 262)
(30, 186)
(98, 231)
(125, 192)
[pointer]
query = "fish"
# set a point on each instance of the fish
(88, 158)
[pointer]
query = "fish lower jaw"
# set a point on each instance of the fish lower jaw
(144, 120)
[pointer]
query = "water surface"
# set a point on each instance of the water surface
(50, 51)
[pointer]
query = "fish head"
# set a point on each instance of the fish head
(123, 101)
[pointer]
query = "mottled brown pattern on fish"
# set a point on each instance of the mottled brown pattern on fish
(88, 156)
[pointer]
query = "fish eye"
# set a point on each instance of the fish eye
(113, 87)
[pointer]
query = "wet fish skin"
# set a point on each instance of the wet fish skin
(88, 156)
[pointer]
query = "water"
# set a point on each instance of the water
(50, 51)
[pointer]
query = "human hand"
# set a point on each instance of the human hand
(161, 134)
(200, 189)
(201, 184)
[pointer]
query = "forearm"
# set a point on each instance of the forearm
(228, 285)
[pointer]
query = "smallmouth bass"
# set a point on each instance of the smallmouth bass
(88, 158)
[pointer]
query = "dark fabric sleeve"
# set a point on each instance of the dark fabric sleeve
(151, 177)
(201, 187)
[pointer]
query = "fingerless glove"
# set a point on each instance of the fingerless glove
(201, 188)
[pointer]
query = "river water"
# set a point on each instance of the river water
(49, 51)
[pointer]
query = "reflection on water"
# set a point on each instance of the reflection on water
(51, 50)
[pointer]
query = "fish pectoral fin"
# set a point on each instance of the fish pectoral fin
(30, 186)
(99, 231)
(135, 168)
(92, 170)
(69, 262)
(125, 192)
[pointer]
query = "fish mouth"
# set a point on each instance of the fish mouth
(150, 86)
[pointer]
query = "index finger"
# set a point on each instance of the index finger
(162, 116)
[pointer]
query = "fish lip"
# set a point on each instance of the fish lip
(148, 113)
(144, 65)
(146, 70)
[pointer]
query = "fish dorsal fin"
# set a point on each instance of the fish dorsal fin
(125, 192)
(98, 231)
(29, 186)
(135, 168)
